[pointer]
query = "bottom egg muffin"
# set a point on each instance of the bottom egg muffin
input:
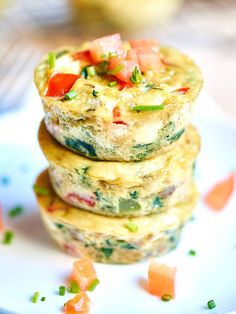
(109, 239)
(121, 188)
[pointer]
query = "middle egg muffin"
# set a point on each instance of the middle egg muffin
(121, 188)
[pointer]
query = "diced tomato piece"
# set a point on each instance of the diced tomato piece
(104, 45)
(124, 85)
(132, 54)
(219, 195)
(82, 199)
(60, 83)
(126, 68)
(83, 273)
(1, 219)
(161, 279)
(151, 45)
(83, 56)
(79, 304)
(149, 61)
(148, 54)
(182, 90)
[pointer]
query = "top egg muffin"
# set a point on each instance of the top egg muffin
(114, 100)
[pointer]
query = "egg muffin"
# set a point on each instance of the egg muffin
(121, 188)
(108, 239)
(110, 100)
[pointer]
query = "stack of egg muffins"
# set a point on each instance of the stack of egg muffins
(119, 187)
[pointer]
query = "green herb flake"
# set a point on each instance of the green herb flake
(192, 252)
(134, 194)
(157, 202)
(106, 251)
(62, 290)
(95, 93)
(73, 288)
(132, 227)
(40, 190)
(136, 76)
(91, 71)
(211, 304)
(15, 211)
(112, 84)
(148, 108)
(7, 237)
(93, 284)
(166, 297)
(84, 72)
(116, 69)
(71, 95)
(35, 297)
(43, 299)
(51, 59)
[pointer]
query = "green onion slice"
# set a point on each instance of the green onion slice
(15, 211)
(40, 190)
(70, 95)
(211, 304)
(91, 71)
(7, 237)
(73, 288)
(192, 252)
(62, 290)
(132, 227)
(136, 76)
(148, 108)
(93, 284)
(166, 297)
(35, 297)
(112, 84)
(51, 59)
(43, 299)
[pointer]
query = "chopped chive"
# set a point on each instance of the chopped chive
(62, 290)
(7, 237)
(111, 84)
(35, 297)
(70, 95)
(93, 284)
(95, 93)
(91, 71)
(116, 69)
(132, 227)
(43, 299)
(166, 297)
(51, 59)
(136, 76)
(18, 210)
(40, 190)
(73, 288)
(211, 304)
(148, 108)
(192, 252)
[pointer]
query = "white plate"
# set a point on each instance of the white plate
(33, 263)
